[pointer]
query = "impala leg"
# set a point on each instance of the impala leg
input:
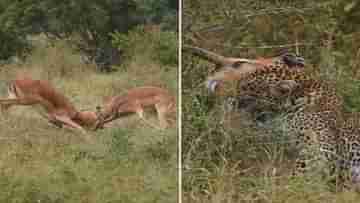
(4, 107)
(5, 104)
(9, 101)
(161, 111)
(140, 113)
(51, 120)
(56, 123)
(67, 121)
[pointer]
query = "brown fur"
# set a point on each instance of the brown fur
(59, 110)
(229, 68)
(134, 101)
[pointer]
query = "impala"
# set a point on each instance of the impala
(134, 101)
(230, 68)
(58, 109)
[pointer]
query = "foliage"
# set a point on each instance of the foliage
(86, 23)
(42, 163)
(163, 12)
(13, 45)
(161, 45)
(232, 158)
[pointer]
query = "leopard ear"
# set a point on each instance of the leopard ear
(282, 52)
(292, 60)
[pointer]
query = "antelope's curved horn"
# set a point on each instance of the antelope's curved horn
(208, 55)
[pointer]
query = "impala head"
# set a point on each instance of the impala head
(230, 69)
(100, 118)
(86, 118)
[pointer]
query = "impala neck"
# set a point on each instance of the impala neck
(86, 118)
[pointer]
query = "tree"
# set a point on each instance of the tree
(87, 23)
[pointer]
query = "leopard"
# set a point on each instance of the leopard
(275, 82)
(313, 108)
(325, 138)
(348, 150)
(229, 68)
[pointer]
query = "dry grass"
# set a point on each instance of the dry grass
(127, 163)
(244, 163)
(232, 158)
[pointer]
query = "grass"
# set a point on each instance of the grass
(240, 161)
(232, 158)
(129, 162)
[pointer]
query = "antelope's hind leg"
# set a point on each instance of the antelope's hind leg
(5, 104)
(140, 113)
(162, 111)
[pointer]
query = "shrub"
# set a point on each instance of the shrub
(154, 44)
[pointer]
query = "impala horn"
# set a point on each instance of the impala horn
(215, 58)
(208, 55)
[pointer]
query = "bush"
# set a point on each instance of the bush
(12, 46)
(154, 44)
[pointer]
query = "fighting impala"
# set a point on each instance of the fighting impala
(58, 109)
(134, 101)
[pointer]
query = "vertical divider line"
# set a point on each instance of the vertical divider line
(179, 102)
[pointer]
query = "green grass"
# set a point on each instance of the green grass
(237, 161)
(231, 158)
(129, 162)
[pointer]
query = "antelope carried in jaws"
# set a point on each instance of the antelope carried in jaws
(134, 101)
(59, 110)
(231, 69)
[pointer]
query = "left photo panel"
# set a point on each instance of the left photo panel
(89, 101)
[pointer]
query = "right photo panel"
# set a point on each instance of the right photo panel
(270, 101)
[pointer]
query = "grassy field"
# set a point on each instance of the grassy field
(129, 162)
(230, 157)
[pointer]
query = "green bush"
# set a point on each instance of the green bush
(12, 45)
(158, 46)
